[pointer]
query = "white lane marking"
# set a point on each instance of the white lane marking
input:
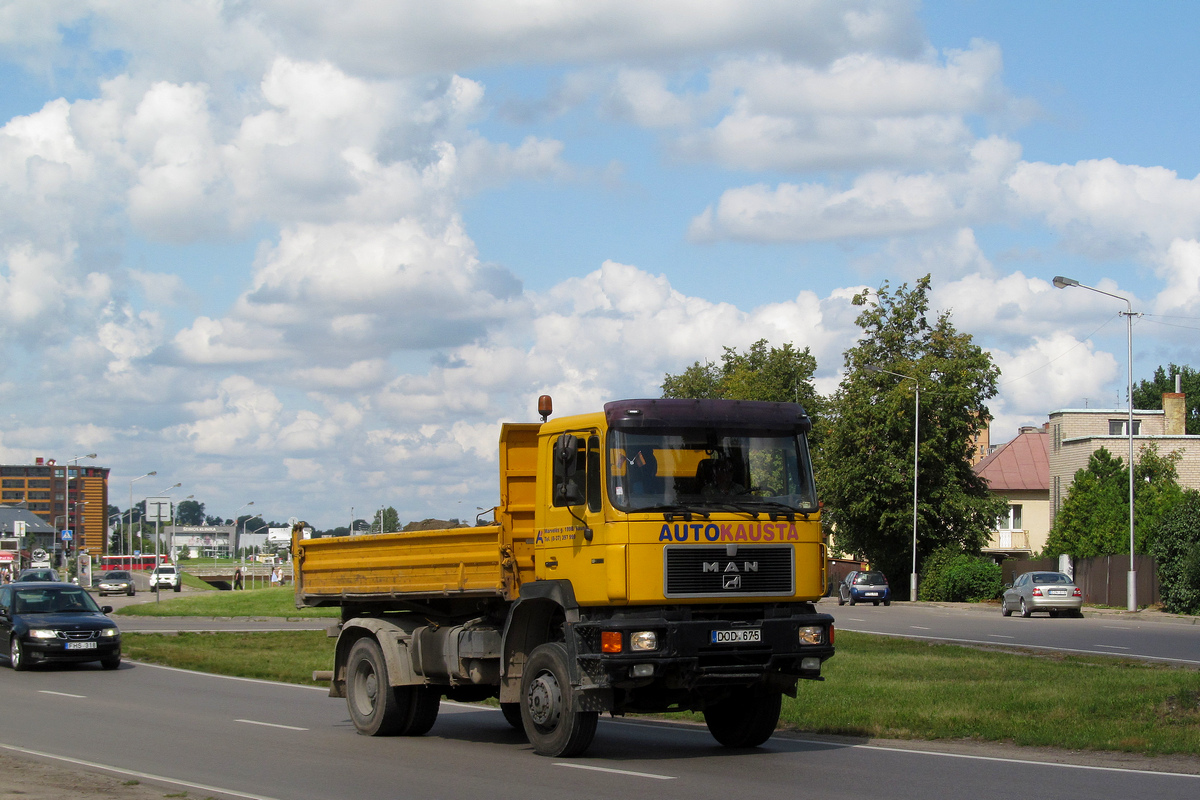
(1111, 646)
(1000, 636)
(617, 771)
(270, 724)
(1117, 627)
(62, 694)
(148, 776)
(323, 689)
(920, 628)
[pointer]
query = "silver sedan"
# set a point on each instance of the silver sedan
(1053, 592)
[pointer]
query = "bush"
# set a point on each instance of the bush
(952, 576)
(1176, 549)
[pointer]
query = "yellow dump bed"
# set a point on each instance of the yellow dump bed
(486, 561)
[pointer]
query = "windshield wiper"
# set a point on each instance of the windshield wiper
(670, 512)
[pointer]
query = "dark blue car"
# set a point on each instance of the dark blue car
(869, 586)
(42, 622)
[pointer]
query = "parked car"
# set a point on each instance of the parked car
(117, 581)
(1053, 592)
(38, 574)
(165, 576)
(865, 586)
(55, 622)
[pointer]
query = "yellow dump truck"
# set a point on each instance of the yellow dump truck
(660, 555)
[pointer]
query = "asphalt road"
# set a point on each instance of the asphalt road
(226, 738)
(1144, 635)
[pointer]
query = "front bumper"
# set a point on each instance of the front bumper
(687, 658)
(56, 650)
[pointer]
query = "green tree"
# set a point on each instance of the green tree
(1094, 518)
(390, 521)
(1176, 550)
(867, 455)
(778, 374)
(190, 512)
(1148, 394)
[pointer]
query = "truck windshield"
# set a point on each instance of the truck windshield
(704, 468)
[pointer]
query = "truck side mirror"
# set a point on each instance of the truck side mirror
(567, 491)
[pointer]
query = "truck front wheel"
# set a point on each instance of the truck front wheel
(744, 719)
(546, 699)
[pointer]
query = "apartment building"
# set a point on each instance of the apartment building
(70, 497)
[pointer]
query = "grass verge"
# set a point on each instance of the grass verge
(278, 601)
(875, 687)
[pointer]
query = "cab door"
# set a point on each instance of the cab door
(573, 541)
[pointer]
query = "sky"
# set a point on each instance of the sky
(310, 255)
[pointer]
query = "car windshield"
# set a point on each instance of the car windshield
(115, 576)
(1050, 577)
(38, 575)
(870, 579)
(166, 570)
(754, 472)
(52, 600)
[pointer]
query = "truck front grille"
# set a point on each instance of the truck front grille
(754, 570)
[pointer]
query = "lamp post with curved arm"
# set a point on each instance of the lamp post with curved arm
(237, 539)
(1062, 283)
(912, 585)
(129, 552)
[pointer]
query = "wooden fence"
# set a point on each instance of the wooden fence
(1103, 579)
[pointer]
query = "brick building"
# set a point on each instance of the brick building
(1077, 433)
(1019, 471)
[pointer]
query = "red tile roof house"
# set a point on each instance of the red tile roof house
(1019, 471)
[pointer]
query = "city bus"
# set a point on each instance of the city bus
(131, 563)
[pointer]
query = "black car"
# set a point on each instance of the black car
(117, 581)
(56, 622)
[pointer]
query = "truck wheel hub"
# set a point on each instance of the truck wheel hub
(545, 701)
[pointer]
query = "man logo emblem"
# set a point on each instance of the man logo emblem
(732, 582)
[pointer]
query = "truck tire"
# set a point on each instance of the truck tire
(512, 715)
(421, 704)
(546, 698)
(373, 705)
(744, 719)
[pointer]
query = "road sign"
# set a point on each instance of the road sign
(66, 535)
(158, 509)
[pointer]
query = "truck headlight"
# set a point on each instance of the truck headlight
(812, 634)
(643, 640)
(41, 633)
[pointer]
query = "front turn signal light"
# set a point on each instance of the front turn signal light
(610, 642)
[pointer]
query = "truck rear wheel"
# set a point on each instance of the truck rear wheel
(422, 705)
(546, 699)
(744, 719)
(373, 705)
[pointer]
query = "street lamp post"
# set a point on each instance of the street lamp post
(71, 522)
(236, 538)
(1062, 283)
(912, 583)
(129, 552)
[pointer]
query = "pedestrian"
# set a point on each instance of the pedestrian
(276, 576)
(237, 578)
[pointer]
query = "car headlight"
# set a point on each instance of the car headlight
(108, 633)
(41, 633)
(812, 634)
